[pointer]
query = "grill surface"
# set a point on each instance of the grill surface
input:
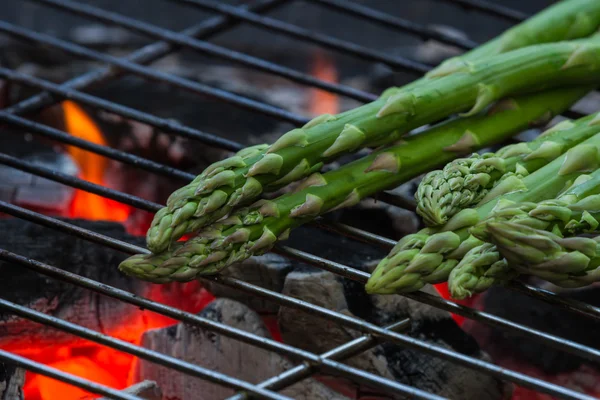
(192, 38)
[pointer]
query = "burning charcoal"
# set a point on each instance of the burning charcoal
(267, 271)
(222, 354)
(389, 360)
(63, 300)
(147, 390)
(11, 382)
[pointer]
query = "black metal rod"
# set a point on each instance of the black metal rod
(152, 74)
(400, 24)
(409, 342)
(342, 319)
(78, 183)
(205, 47)
(310, 36)
(74, 380)
(122, 156)
(138, 351)
(325, 364)
(490, 9)
(299, 372)
(144, 55)
(164, 124)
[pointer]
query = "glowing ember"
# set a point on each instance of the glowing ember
(92, 166)
(320, 101)
(102, 364)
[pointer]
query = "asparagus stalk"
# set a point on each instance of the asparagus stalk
(484, 266)
(542, 243)
(430, 255)
(237, 236)
(300, 152)
(565, 20)
(465, 182)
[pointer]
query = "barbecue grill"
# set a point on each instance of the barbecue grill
(193, 38)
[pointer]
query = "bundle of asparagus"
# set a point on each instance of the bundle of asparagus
(472, 207)
(430, 255)
(255, 229)
(463, 84)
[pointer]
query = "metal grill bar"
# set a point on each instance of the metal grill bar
(127, 158)
(145, 55)
(54, 373)
(75, 182)
(204, 47)
(325, 364)
(138, 351)
(151, 74)
(309, 36)
(296, 374)
(341, 318)
(399, 24)
(490, 9)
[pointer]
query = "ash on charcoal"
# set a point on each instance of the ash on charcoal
(64, 300)
(389, 360)
(267, 271)
(220, 353)
(11, 382)
(537, 314)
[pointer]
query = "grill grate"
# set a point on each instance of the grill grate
(169, 42)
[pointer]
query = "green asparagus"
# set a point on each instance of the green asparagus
(465, 182)
(484, 266)
(300, 152)
(255, 229)
(430, 255)
(539, 239)
(481, 268)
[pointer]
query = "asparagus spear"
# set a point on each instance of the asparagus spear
(484, 266)
(430, 255)
(465, 182)
(481, 268)
(341, 188)
(300, 152)
(537, 239)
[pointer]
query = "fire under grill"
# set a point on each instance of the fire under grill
(30, 114)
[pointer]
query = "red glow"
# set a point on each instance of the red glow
(82, 358)
(442, 289)
(104, 365)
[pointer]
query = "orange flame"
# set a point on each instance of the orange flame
(320, 101)
(92, 166)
